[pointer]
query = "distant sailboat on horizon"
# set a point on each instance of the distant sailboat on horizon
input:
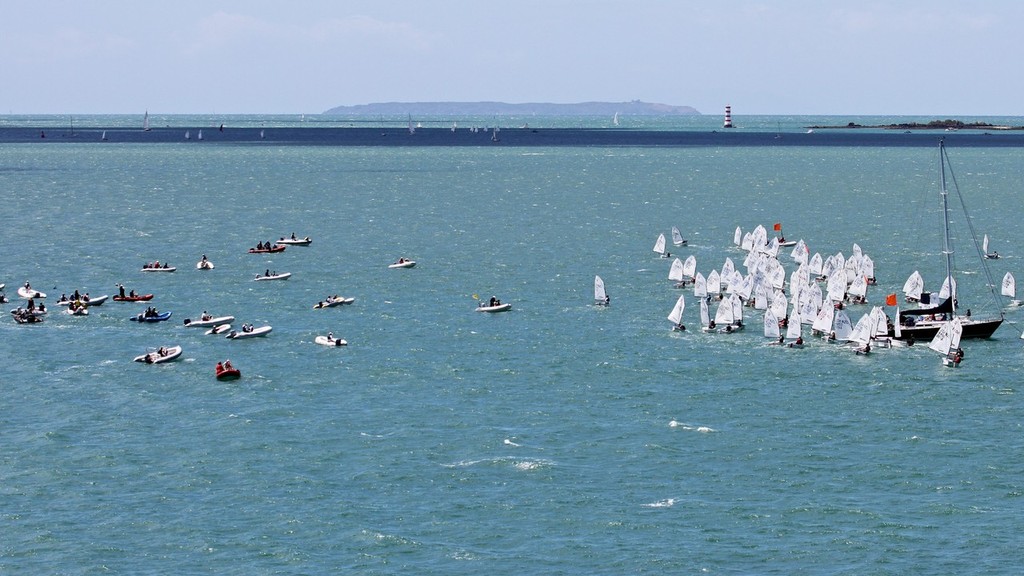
(145, 121)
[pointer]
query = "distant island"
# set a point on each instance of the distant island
(933, 125)
(634, 108)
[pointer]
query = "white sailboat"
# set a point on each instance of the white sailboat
(771, 326)
(677, 238)
(103, 136)
(615, 119)
(984, 249)
(947, 342)
(200, 136)
(659, 246)
(188, 135)
(145, 122)
(600, 296)
(1010, 289)
(676, 316)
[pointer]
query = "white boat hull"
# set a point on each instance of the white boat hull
(406, 264)
(210, 322)
(171, 354)
(284, 276)
(256, 333)
(325, 341)
(27, 293)
(492, 309)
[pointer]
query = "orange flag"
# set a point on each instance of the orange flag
(890, 300)
(778, 226)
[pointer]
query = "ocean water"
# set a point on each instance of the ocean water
(558, 438)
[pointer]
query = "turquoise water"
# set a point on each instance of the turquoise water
(559, 438)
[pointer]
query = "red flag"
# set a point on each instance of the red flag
(890, 300)
(778, 226)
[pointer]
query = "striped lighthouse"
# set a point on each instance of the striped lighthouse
(728, 117)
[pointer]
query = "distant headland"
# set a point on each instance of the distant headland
(933, 125)
(633, 108)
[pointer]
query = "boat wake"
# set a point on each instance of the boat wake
(701, 429)
(666, 503)
(516, 463)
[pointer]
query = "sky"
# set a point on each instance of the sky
(945, 58)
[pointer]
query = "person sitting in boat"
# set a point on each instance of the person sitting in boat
(130, 294)
(206, 316)
(400, 261)
(77, 296)
(784, 323)
(679, 327)
(27, 287)
(782, 339)
(832, 336)
(293, 235)
(330, 336)
(607, 300)
(31, 304)
(799, 341)
(494, 301)
(41, 308)
(162, 351)
(85, 298)
(711, 324)
(227, 365)
(220, 367)
(63, 298)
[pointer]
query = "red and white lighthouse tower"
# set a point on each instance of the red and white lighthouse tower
(728, 117)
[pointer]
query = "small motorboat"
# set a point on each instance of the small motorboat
(273, 276)
(271, 250)
(133, 298)
(218, 329)
(225, 371)
(403, 263)
(151, 318)
(27, 292)
(156, 267)
(206, 321)
(330, 340)
(204, 265)
(251, 333)
(293, 241)
(332, 301)
(502, 307)
(22, 316)
(160, 355)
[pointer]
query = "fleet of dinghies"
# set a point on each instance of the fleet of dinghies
(824, 290)
(819, 295)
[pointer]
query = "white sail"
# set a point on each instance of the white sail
(723, 315)
(200, 135)
(659, 244)
(600, 296)
(793, 329)
(859, 287)
(676, 272)
(677, 238)
(814, 265)
(779, 305)
(897, 331)
(690, 267)
(1009, 286)
(914, 286)
(737, 308)
(948, 288)
(842, 325)
(823, 321)
(727, 269)
(145, 121)
(771, 325)
(676, 316)
(714, 283)
(947, 338)
(737, 237)
(984, 244)
(705, 316)
(864, 330)
(700, 286)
